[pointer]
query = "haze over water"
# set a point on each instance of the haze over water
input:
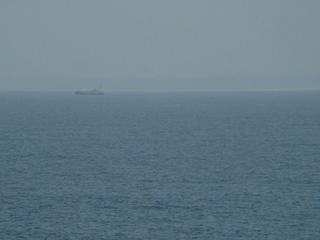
(159, 45)
(177, 148)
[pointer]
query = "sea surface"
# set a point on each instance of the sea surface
(219, 165)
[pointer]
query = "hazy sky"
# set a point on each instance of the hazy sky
(159, 44)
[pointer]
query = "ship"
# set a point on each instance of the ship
(89, 92)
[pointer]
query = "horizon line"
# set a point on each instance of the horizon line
(170, 90)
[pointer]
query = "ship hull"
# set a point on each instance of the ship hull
(96, 92)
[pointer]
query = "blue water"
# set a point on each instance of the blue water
(160, 166)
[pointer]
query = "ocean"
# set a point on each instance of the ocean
(134, 165)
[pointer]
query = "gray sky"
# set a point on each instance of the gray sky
(159, 44)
